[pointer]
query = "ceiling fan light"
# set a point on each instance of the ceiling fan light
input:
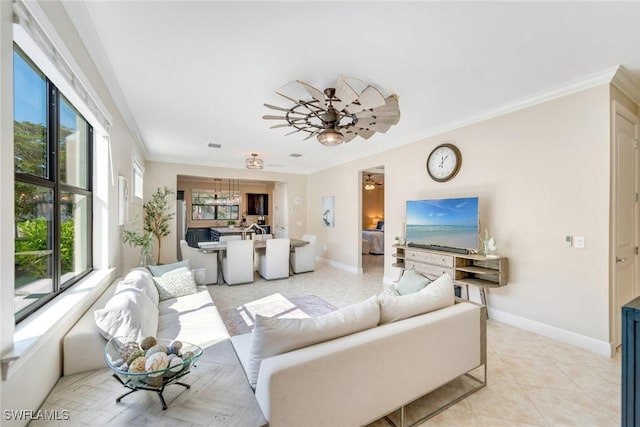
(254, 162)
(330, 137)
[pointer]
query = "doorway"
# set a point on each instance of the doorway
(372, 212)
(626, 223)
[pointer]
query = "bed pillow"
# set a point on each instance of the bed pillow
(273, 336)
(159, 270)
(438, 294)
(380, 225)
(129, 313)
(175, 283)
(140, 278)
(411, 282)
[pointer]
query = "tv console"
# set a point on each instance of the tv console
(438, 248)
(465, 269)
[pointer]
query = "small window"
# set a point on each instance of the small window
(138, 181)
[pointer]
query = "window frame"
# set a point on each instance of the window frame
(234, 208)
(53, 182)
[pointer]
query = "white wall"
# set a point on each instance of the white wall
(161, 174)
(39, 367)
(540, 173)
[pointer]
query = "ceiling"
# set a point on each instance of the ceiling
(186, 74)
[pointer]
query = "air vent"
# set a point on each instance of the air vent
(295, 155)
(213, 145)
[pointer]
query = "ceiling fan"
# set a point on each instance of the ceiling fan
(370, 183)
(336, 115)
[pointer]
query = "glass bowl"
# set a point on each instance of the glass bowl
(119, 350)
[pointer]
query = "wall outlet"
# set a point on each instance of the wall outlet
(578, 242)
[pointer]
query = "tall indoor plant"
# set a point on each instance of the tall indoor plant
(155, 224)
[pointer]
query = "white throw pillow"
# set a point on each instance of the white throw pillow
(438, 294)
(129, 313)
(411, 282)
(176, 283)
(273, 336)
(141, 278)
(389, 291)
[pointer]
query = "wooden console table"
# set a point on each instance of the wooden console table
(465, 269)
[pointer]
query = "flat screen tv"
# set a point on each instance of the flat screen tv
(444, 222)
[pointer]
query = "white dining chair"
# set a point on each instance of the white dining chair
(303, 258)
(199, 259)
(273, 263)
(237, 262)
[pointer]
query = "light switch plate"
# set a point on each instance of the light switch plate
(578, 242)
(567, 240)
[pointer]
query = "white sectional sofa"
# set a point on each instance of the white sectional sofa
(190, 318)
(358, 378)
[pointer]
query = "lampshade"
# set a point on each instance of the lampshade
(254, 162)
(330, 137)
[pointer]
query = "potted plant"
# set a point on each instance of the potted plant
(155, 224)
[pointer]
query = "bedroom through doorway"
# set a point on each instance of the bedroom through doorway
(373, 219)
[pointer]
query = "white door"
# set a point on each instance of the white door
(626, 132)
(281, 211)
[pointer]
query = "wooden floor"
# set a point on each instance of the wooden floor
(219, 396)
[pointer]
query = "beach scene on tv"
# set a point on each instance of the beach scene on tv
(445, 222)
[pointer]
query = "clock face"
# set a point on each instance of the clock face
(444, 162)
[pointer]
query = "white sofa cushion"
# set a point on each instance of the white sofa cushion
(129, 313)
(438, 294)
(272, 336)
(411, 282)
(159, 270)
(176, 283)
(141, 278)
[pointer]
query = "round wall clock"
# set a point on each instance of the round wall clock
(444, 162)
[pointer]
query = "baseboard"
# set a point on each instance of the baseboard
(602, 348)
(339, 265)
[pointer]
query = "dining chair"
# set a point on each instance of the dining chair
(237, 262)
(199, 259)
(273, 263)
(303, 258)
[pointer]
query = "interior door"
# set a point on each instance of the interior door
(625, 140)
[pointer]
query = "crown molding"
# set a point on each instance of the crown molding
(627, 85)
(81, 19)
(587, 82)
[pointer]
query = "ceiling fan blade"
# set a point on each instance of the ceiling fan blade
(345, 93)
(374, 126)
(366, 134)
(295, 101)
(312, 134)
(275, 107)
(292, 132)
(349, 136)
(268, 117)
(315, 94)
(390, 108)
(279, 126)
(369, 98)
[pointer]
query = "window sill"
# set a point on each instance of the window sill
(32, 332)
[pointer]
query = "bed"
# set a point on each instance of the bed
(374, 237)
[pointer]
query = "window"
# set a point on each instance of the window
(53, 198)
(212, 205)
(138, 181)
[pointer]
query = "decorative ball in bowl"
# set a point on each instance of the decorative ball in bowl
(150, 362)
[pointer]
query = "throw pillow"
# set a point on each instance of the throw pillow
(129, 313)
(176, 283)
(411, 282)
(159, 270)
(273, 336)
(436, 295)
(140, 278)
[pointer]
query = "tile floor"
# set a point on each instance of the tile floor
(532, 380)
